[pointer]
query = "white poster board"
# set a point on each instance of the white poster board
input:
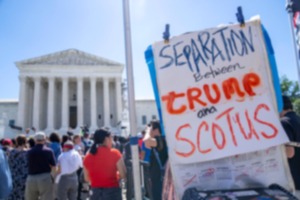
(216, 94)
(219, 109)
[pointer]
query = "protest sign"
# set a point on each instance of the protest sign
(216, 94)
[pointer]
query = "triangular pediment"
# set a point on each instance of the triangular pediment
(70, 57)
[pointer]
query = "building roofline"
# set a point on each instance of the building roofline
(9, 101)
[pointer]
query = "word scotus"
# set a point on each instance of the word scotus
(217, 134)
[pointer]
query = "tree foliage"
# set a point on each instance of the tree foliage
(291, 89)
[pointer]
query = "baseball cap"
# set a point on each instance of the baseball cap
(6, 142)
(68, 144)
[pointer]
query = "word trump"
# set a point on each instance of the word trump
(229, 87)
(222, 139)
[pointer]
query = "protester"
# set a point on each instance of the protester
(31, 142)
(145, 157)
(29, 132)
(78, 145)
(145, 152)
(101, 166)
(87, 142)
(117, 144)
(68, 164)
(7, 145)
(5, 176)
(64, 139)
(39, 183)
(13, 143)
(19, 168)
(291, 124)
(55, 144)
(159, 155)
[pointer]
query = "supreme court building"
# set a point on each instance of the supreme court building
(67, 89)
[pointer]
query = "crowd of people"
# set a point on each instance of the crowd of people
(36, 166)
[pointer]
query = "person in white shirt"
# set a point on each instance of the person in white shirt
(68, 164)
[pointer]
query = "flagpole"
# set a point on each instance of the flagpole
(131, 101)
(294, 41)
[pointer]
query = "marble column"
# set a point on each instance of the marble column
(50, 111)
(93, 126)
(65, 105)
(36, 102)
(80, 112)
(22, 102)
(118, 83)
(106, 102)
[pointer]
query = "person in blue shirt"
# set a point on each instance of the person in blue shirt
(55, 144)
(5, 176)
(145, 152)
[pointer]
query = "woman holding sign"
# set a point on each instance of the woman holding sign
(159, 156)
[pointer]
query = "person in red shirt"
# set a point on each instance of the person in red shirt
(103, 166)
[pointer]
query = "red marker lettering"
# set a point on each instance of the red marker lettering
(204, 123)
(264, 134)
(185, 140)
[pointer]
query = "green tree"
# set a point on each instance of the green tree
(290, 88)
(296, 105)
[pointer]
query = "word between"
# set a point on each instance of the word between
(214, 72)
(229, 87)
(220, 137)
(204, 50)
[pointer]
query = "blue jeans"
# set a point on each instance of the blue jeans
(106, 194)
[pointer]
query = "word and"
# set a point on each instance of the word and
(229, 87)
(213, 72)
(206, 111)
(207, 48)
(220, 137)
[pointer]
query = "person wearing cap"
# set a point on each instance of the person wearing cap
(7, 145)
(291, 124)
(41, 161)
(68, 164)
(102, 166)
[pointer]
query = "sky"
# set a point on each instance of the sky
(32, 28)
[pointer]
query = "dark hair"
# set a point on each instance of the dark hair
(21, 140)
(116, 138)
(99, 137)
(31, 142)
(14, 142)
(54, 137)
(287, 104)
(155, 124)
(64, 139)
